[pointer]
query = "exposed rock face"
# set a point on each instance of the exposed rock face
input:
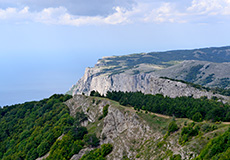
(139, 72)
(147, 83)
(130, 135)
(120, 127)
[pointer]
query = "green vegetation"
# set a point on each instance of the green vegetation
(208, 79)
(29, 130)
(180, 107)
(161, 58)
(193, 72)
(91, 140)
(98, 154)
(95, 93)
(224, 82)
(105, 110)
(65, 148)
(217, 148)
(197, 117)
(33, 129)
(206, 127)
(188, 132)
(80, 117)
(156, 123)
(172, 127)
(175, 157)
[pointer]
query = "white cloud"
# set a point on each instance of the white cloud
(141, 12)
(210, 7)
(75, 7)
(165, 13)
(15, 14)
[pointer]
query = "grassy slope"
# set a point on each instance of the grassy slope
(163, 147)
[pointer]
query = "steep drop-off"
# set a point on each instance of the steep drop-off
(141, 72)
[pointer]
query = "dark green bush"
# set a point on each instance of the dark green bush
(175, 157)
(91, 140)
(197, 117)
(98, 154)
(105, 110)
(188, 132)
(172, 127)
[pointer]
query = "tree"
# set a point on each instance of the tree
(105, 110)
(197, 117)
(172, 127)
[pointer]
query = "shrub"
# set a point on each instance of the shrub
(91, 140)
(105, 110)
(79, 132)
(197, 117)
(175, 157)
(172, 127)
(99, 153)
(188, 132)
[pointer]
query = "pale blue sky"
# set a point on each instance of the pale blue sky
(46, 45)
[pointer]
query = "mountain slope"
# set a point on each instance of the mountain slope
(205, 73)
(131, 134)
(208, 67)
(138, 135)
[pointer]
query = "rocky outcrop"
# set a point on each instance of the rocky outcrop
(147, 83)
(140, 72)
(131, 134)
(122, 128)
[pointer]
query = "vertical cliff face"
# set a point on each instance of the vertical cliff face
(140, 72)
(148, 83)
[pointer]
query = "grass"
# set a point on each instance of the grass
(153, 147)
(156, 123)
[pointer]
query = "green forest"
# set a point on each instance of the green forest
(180, 107)
(217, 148)
(33, 129)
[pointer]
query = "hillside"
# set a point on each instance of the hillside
(125, 132)
(208, 67)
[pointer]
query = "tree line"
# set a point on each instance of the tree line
(181, 107)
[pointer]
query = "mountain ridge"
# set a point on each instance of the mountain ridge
(136, 72)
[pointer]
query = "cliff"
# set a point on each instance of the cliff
(208, 67)
(148, 83)
(135, 135)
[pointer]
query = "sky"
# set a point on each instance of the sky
(45, 46)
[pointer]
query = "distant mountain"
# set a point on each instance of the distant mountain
(141, 72)
(213, 54)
